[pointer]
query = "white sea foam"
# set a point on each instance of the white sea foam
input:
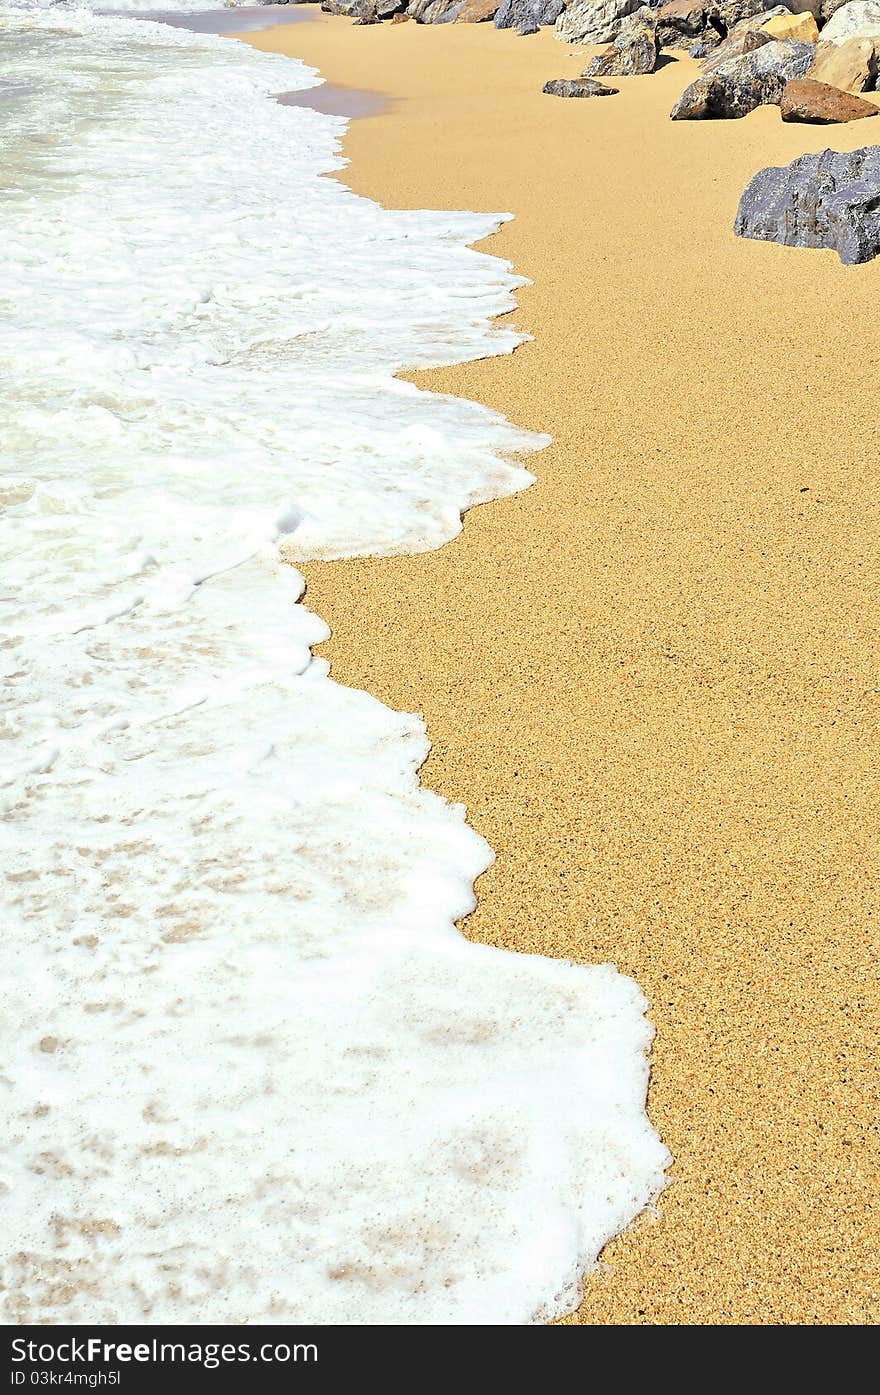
(251, 1071)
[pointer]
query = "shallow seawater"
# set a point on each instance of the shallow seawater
(234, 19)
(253, 1072)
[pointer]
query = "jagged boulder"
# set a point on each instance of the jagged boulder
(827, 200)
(858, 19)
(363, 11)
(634, 50)
(528, 16)
(741, 84)
(578, 87)
(820, 105)
(433, 11)
(681, 23)
(593, 21)
(853, 66)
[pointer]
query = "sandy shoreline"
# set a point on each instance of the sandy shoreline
(652, 677)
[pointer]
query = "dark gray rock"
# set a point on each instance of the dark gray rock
(827, 200)
(741, 84)
(527, 16)
(578, 87)
(633, 51)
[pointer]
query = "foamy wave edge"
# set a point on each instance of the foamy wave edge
(254, 1072)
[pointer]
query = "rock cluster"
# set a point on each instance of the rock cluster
(750, 58)
(814, 63)
(827, 200)
(701, 26)
(754, 52)
(738, 85)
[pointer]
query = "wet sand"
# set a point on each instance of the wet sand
(653, 676)
(334, 100)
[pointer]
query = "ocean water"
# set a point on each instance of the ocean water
(251, 1070)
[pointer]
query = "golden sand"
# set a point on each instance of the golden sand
(653, 676)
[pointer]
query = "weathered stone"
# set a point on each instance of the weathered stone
(477, 11)
(802, 26)
(680, 22)
(528, 16)
(827, 8)
(853, 21)
(363, 11)
(433, 11)
(742, 84)
(578, 87)
(853, 66)
(723, 15)
(821, 105)
(400, 18)
(593, 21)
(827, 200)
(744, 38)
(633, 51)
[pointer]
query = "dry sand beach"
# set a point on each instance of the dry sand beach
(652, 677)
